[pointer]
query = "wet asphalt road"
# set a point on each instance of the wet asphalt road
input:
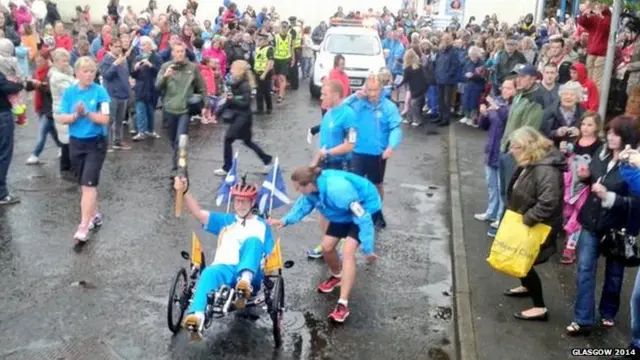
(400, 307)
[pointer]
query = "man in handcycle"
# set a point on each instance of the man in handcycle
(244, 239)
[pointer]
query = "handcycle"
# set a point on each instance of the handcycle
(270, 297)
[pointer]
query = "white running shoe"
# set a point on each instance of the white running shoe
(33, 160)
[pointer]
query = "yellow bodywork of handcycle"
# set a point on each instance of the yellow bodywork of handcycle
(272, 264)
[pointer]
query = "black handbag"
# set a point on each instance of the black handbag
(623, 245)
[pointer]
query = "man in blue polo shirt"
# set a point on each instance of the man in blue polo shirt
(337, 139)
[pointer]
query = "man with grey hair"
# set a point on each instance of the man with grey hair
(508, 61)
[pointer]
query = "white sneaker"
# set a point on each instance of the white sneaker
(495, 224)
(415, 124)
(481, 217)
(463, 120)
(32, 160)
(309, 137)
(194, 323)
(405, 121)
(220, 172)
(59, 153)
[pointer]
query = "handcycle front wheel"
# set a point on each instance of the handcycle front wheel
(277, 310)
(178, 297)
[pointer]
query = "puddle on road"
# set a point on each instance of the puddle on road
(304, 338)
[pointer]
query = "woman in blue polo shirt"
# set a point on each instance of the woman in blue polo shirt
(85, 108)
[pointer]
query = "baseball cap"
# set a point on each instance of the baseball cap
(525, 70)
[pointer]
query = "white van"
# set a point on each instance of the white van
(361, 48)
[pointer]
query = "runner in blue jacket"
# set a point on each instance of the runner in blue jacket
(351, 204)
(378, 132)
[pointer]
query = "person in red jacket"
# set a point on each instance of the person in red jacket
(590, 95)
(62, 38)
(596, 20)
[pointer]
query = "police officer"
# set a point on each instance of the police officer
(283, 58)
(296, 35)
(263, 66)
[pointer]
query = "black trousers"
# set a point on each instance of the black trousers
(263, 93)
(228, 151)
(445, 99)
(294, 71)
(65, 158)
(532, 282)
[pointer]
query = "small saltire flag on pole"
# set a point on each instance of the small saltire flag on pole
(224, 191)
(273, 192)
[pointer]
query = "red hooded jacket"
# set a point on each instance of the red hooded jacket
(209, 77)
(64, 41)
(590, 96)
(40, 75)
(598, 29)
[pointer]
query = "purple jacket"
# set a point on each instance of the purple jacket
(495, 122)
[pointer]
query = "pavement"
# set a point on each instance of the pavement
(487, 329)
(109, 300)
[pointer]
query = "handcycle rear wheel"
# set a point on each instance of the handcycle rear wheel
(277, 310)
(177, 296)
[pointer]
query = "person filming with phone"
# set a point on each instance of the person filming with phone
(178, 81)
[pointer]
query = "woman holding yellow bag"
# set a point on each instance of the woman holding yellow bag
(535, 195)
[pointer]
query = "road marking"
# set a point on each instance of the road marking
(420, 187)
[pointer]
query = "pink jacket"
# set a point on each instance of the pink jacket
(219, 55)
(209, 78)
(23, 16)
(573, 204)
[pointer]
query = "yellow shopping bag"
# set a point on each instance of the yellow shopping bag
(516, 245)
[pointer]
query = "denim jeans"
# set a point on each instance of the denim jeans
(305, 64)
(145, 116)
(7, 126)
(588, 252)
(117, 113)
(178, 125)
(635, 313)
(495, 206)
(45, 127)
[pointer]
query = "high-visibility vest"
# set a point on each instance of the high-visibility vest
(283, 47)
(260, 63)
(297, 42)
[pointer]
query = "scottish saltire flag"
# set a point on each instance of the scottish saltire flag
(224, 191)
(273, 192)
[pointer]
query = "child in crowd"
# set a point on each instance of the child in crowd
(208, 72)
(10, 68)
(576, 192)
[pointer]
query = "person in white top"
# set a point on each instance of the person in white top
(244, 240)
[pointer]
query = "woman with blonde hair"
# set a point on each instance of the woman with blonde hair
(85, 108)
(417, 81)
(237, 112)
(536, 192)
(60, 78)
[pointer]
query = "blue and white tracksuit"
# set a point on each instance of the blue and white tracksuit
(337, 190)
(242, 247)
(377, 125)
